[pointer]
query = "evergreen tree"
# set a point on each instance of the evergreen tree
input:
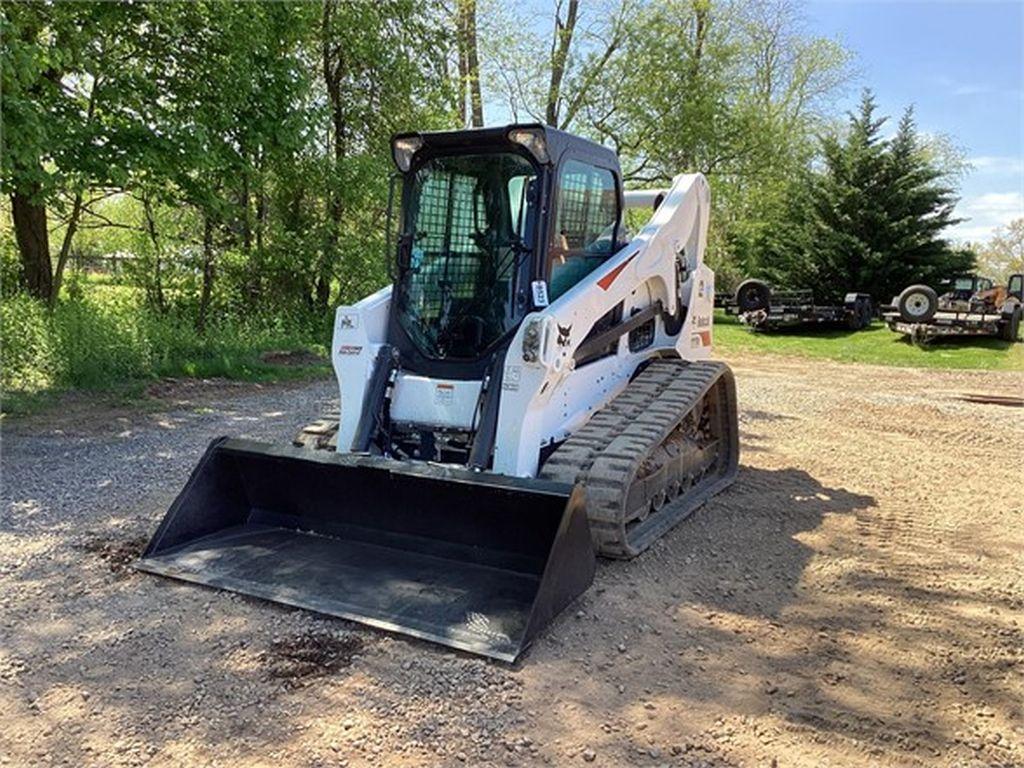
(850, 220)
(879, 212)
(920, 208)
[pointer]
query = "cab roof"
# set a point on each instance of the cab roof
(558, 142)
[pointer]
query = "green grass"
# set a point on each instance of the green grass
(876, 345)
(110, 343)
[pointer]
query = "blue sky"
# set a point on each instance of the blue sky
(961, 64)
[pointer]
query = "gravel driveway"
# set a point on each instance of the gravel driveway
(856, 599)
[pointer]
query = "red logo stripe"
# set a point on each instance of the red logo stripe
(606, 281)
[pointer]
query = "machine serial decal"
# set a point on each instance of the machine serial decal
(510, 381)
(563, 335)
(349, 349)
(606, 281)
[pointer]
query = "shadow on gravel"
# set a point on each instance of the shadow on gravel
(728, 612)
(756, 526)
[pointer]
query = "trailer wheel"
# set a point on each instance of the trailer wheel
(753, 295)
(917, 304)
(1011, 326)
(867, 311)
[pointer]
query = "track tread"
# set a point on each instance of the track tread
(607, 453)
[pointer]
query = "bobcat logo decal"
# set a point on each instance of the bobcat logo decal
(563, 335)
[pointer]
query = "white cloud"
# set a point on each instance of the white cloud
(997, 165)
(984, 213)
(956, 87)
(971, 89)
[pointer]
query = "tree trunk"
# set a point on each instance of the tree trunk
(261, 204)
(65, 246)
(157, 297)
(76, 209)
(559, 54)
(333, 71)
(460, 25)
(33, 243)
(208, 274)
(244, 197)
(469, 63)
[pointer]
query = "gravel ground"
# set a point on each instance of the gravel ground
(856, 598)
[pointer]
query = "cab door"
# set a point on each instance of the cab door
(584, 231)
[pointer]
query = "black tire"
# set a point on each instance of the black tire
(1011, 327)
(753, 295)
(866, 311)
(917, 304)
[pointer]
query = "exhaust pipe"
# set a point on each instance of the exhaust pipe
(471, 560)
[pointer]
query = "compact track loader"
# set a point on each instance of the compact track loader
(534, 387)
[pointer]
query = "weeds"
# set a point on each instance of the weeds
(102, 341)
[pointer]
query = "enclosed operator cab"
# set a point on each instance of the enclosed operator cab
(476, 249)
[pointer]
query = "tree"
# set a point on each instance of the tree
(880, 209)
(1003, 254)
(67, 80)
(553, 78)
(383, 66)
(736, 91)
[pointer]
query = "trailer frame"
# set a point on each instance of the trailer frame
(791, 308)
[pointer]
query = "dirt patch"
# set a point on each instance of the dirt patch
(292, 358)
(300, 658)
(118, 554)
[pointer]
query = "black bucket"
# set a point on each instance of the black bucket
(471, 560)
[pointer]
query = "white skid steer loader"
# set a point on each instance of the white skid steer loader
(531, 389)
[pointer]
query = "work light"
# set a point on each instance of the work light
(403, 148)
(533, 140)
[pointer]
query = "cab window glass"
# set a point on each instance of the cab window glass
(587, 211)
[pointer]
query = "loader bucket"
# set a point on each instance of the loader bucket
(471, 560)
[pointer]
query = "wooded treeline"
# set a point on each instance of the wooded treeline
(236, 154)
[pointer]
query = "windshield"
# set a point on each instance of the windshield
(470, 219)
(963, 284)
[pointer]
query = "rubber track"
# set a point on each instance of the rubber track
(606, 454)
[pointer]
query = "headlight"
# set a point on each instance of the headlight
(534, 141)
(402, 150)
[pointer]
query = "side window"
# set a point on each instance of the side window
(586, 215)
(1016, 286)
